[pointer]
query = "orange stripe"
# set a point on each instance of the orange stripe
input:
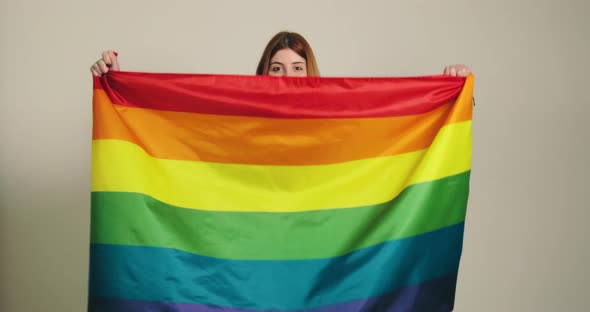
(256, 140)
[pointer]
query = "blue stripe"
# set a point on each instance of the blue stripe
(166, 275)
(437, 295)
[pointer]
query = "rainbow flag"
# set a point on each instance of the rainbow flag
(254, 193)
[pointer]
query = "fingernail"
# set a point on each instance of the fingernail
(116, 53)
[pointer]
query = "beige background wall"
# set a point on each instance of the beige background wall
(526, 243)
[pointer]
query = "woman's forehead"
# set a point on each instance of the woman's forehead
(287, 56)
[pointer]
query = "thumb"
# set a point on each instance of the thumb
(114, 61)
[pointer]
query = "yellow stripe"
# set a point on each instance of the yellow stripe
(121, 166)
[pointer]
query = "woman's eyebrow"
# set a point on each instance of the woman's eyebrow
(275, 62)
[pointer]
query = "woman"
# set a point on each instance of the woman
(286, 54)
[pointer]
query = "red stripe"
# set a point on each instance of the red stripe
(265, 96)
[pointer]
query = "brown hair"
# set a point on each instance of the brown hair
(288, 40)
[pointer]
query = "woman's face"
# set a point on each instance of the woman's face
(287, 63)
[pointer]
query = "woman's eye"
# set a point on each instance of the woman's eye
(275, 69)
(298, 68)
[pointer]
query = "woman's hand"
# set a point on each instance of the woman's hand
(459, 70)
(107, 62)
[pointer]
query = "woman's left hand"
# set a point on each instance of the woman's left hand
(459, 70)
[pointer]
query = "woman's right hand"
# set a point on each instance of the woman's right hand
(107, 62)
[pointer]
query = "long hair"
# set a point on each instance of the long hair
(288, 40)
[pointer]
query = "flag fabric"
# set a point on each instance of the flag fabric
(256, 193)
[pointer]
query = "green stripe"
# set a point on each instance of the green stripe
(137, 219)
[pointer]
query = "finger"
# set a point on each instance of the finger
(453, 71)
(114, 61)
(464, 71)
(103, 66)
(106, 58)
(94, 73)
(96, 69)
(446, 71)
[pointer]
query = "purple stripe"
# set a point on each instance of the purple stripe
(433, 296)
